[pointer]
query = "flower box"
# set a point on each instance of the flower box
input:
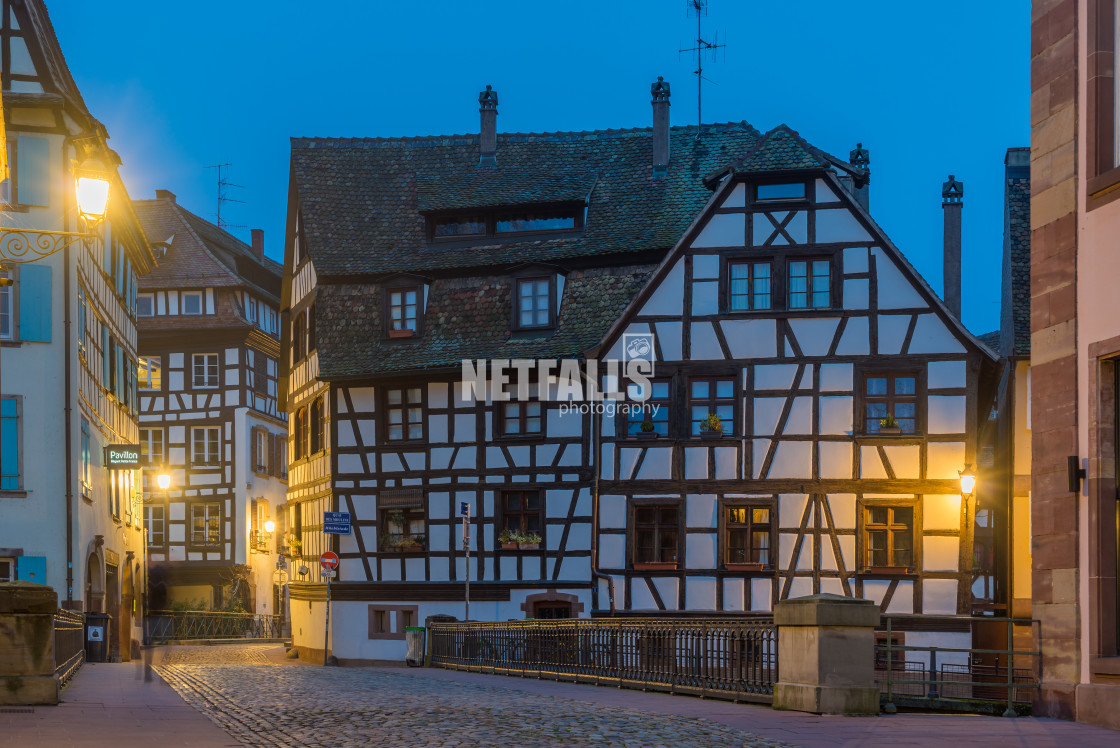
(509, 546)
(887, 570)
(889, 430)
(528, 546)
(646, 435)
(405, 333)
(656, 566)
(706, 435)
(743, 566)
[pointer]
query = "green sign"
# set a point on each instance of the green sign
(122, 457)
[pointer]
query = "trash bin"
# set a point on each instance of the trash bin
(97, 637)
(414, 639)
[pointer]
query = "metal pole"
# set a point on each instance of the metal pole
(327, 630)
(889, 707)
(467, 556)
(1010, 711)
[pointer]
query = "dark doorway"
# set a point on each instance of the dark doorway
(552, 609)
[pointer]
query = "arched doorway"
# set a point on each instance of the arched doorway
(95, 585)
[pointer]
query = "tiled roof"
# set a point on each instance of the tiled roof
(201, 255)
(782, 148)
(1016, 321)
(466, 318)
(361, 199)
(227, 316)
(990, 339)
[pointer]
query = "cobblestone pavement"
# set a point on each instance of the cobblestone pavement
(218, 654)
(274, 704)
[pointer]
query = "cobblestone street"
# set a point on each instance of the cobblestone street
(266, 704)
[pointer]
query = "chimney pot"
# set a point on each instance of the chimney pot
(165, 195)
(952, 194)
(258, 243)
(488, 137)
(860, 157)
(659, 92)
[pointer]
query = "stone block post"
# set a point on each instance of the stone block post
(27, 643)
(826, 655)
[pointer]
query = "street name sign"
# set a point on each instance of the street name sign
(336, 523)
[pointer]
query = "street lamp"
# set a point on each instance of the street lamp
(92, 191)
(269, 526)
(968, 480)
(163, 480)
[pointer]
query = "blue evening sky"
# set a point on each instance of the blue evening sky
(928, 89)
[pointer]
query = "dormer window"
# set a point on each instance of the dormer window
(780, 192)
(535, 302)
(404, 309)
(502, 222)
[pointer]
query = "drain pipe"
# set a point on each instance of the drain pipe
(67, 379)
(595, 446)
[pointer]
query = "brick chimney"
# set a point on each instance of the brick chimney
(659, 92)
(258, 243)
(488, 137)
(952, 200)
(165, 195)
(860, 157)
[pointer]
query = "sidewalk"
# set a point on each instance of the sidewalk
(112, 706)
(810, 730)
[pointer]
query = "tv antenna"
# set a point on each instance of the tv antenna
(699, 9)
(224, 198)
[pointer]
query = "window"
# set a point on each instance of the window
(810, 283)
(890, 396)
(404, 306)
(7, 308)
(258, 515)
(282, 460)
(31, 169)
(10, 479)
(521, 511)
(85, 475)
(204, 369)
(155, 519)
(300, 436)
(520, 417)
(310, 313)
(316, 426)
(151, 447)
(534, 303)
(205, 445)
(261, 451)
(8, 186)
(655, 408)
(252, 309)
(656, 533)
(206, 524)
(711, 395)
(145, 305)
(82, 321)
(1103, 100)
(7, 569)
(405, 413)
(748, 286)
(403, 530)
(299, 339)
(888, 536)
(794, 191)
(150, 372)
(748, 533)
(192, 302)
(478, 224)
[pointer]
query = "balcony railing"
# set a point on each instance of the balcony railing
(176, 625)
(733, 658)
(69, 644)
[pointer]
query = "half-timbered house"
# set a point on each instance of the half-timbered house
(767, 295)
(208, 321)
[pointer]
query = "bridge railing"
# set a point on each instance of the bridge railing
(732, 658)
(69, 644)
(177, 625)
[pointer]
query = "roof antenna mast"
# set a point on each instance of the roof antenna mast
(223, 198)
(699, 9)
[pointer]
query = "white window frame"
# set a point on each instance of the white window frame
(209, 438)
(145, 382)
(150, 521)
(147, 441)
(11, 563)
(192, 295)
(208, 517)
(150, 297)
(207, 365)
(8, 306)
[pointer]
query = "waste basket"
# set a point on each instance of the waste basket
(97, 637)
(414, 639)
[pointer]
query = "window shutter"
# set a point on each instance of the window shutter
(119, 363)
(105, 356)
(35, 303)
(33, 171)
(9, 444)
(273, 454)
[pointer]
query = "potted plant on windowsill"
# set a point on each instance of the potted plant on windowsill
(887, 570)
(404, 332)
(743, 566)
(646, 431)
(655, 565)
(509, 539)
(711, 427)
(529, 541)
(888, 426)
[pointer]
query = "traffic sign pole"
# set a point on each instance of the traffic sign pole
(328, 562)
(465, 510)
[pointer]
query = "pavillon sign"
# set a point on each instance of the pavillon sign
(122, 457)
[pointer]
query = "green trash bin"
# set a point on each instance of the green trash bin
(414, 640)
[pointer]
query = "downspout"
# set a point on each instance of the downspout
(67, 411)
(595, 573)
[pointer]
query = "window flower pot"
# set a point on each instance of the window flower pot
(509, 546)
(887, 570)
(707, 435)
(655, 566)
(743, 566)
(646, 435)
(889, 430)
(405, 333)
(528, 546)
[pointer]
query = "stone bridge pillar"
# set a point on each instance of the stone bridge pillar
(27, 643)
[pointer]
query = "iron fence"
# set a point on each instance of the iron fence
(69, 644)
(176, 625)
(734, 658)
(913, 676)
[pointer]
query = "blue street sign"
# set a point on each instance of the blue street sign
(336, 523)
(464, 509)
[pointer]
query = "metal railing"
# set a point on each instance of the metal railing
(733, 658)
(69, 644)
(177, 625)
(912, 675)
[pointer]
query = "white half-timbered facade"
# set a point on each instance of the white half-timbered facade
(208, 377)
(767, 296)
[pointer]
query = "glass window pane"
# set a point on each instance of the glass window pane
(904, 516)
(904, 385)
(725, 388)
(879, 515)
(700, 390)
(876, 386)
(795, 191)
(395, 397)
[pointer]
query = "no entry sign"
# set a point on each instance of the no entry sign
(329, 560)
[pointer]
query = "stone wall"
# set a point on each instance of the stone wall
(27, 643)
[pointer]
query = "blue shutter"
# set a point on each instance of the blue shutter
(120, 373)
(33, 166)
(9, 445)
(106, 356)
(35, 303)
(32, 569)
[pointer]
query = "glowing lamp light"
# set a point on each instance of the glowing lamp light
(968, 480)
(164, 481)
(93, 195)
(269, 526)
